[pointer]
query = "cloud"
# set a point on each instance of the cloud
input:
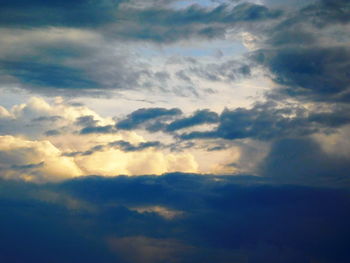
(225, 218)
(95, 14)
(55, 137)
(303, 160)
(226, 71)
(128, 147)
(48, 76)
(37, 116)
(97, 129)
(268, 121)
(92, 47)
(35, 13)
(160, 210)
(307, 53)
(124, 146)
(111, 162)
(105, 150)
(326, 12)
(199, 117)
(141, 116)
(263, 121)
(86, 121)
(316, 73)
(177, 24)
(37, 161)
(67, 61)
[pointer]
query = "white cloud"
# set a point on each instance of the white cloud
(28, 154)
(36, 161)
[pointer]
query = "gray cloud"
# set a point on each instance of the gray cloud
(44, 76)
(168, 25)
(145, 115)
(199, 117)
(27, 166)
(80, 13)
(64, 64)
(302, 160)
(266, 122)
(98, 129)
(307, 52)
(128, 147)
(316, 73)
(219, 221)
(86, 121)
(327, 12)
(227, 71)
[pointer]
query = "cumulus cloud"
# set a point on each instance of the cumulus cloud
(37, 161)
(55, 138)
(37, 116)
(113, 162)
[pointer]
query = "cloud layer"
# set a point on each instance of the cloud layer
(241, 219)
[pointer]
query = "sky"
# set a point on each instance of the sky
(175, 131)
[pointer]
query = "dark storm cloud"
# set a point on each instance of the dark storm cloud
(303, 160)
(198, 118)
(317, 73)
(234, 219)
(141, 116)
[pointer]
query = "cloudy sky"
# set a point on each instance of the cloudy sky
(175, 130)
